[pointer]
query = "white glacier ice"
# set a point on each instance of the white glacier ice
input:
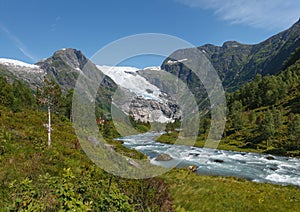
(127, 77)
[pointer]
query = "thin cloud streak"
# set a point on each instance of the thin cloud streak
(18, 43)
(265, 14)
(54, 25)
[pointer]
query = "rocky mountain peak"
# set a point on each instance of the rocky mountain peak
(65, 65)
(73, 58)
(231, 44)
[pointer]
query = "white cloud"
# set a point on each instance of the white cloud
(267, 14)
(18, 43)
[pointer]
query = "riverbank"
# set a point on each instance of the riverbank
(230, 143)
(210, 193)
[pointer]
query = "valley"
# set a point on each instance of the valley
(256, 165)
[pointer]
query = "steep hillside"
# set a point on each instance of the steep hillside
(238, 63)
(262, 116)
(264, 113)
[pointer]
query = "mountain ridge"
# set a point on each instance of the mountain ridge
(238, 63)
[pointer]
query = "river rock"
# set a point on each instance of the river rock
(163, 157)
(270, 158)
(194, 154)
(273, 168)
(110, 147)
(218, 161)
(193, 168)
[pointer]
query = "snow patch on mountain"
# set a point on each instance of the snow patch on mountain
(17, 63)
(153, 68)
(29, 73)
(176, 61)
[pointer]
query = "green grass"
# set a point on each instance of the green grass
(191, 192)
(34, 177)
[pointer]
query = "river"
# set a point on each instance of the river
(252, 166)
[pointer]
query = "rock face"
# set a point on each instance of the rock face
(161, 110)
(163, 157)
(65, 65)
(154, 111)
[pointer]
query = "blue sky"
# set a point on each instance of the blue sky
(35, 29)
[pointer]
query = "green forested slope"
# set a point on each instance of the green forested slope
(264, 114)
(35, 177)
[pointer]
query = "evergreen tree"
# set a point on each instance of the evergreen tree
(68, 104)
(6, 93)
(277, 118)
(294, 132)
(267, 127)
(236, 115)
(16, 95)
(252, 117)
(23, 96)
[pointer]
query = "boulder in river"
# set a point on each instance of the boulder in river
(273, 168)
(163, 157)
(194, 154)
(270, 158)
(218, 161)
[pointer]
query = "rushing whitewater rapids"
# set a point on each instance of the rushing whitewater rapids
(251, 166)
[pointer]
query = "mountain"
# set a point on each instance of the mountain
(64, 66)
(238, 63)
(143, 101)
